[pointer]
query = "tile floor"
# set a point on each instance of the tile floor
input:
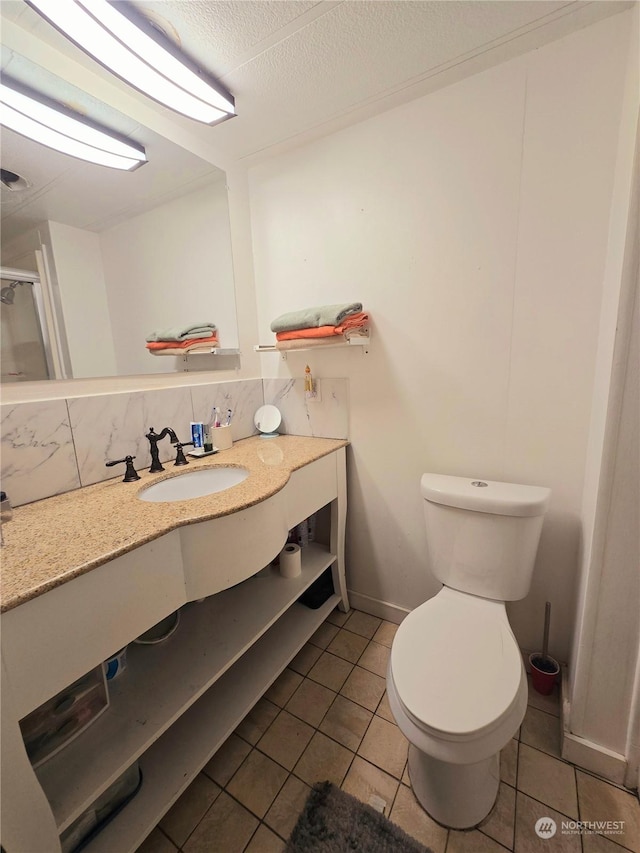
(327, 717)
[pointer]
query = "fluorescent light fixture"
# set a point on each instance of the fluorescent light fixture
(121, 41)
(58, 128)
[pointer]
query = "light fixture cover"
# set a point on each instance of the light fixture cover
(38, 118)
(125, 43)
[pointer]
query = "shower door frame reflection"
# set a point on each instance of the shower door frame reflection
(31, 279)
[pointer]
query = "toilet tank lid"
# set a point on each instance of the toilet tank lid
(485, 495)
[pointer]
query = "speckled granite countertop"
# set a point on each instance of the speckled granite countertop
(51, 541)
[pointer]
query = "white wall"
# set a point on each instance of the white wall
(167, 267)
(472, 223)
(80, 278)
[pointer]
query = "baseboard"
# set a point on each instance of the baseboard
(593, 757)
(374, 607)
(585, 753)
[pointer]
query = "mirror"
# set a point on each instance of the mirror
(117, 255)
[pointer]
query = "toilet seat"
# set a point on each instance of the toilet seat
(456, 667)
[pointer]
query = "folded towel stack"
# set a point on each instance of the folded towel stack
(319, 326)
(194, 337)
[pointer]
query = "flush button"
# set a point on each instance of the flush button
(479, 483)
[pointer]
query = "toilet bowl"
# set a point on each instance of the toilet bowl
(456, 683)
(458, 691)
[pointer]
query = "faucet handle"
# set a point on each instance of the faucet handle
(180, 457)
(130, 474)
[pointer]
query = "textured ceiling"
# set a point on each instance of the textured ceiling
(297, 69)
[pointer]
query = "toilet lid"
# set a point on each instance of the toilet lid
(455, 663)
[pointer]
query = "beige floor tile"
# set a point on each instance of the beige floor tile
(385, 746)
(541, 730)
(547, 779)
(405, 775)
(365, 781)
(385, 633)
(156, 842)
(594, 843)
(286, 739)
(265, 841)
(509, 763)
(528, 812)
(364, 687)
(227, 760)
(346, 722)
(331, 671)
(323, 636)
(375, 658)
(305, 659)
(347, 645)
(363, 624)
(286, 808)
(410, 816)
(226, 826)
(500, 823)
(189, 809)
(472, 842)
(550, 703)
(257, 782)
(384, 710)
(323, 759)
(601, 801)
(337, 617)
(284, 687)
(257, 721)
(311, 702)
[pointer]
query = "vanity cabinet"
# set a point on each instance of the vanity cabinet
(177, 701)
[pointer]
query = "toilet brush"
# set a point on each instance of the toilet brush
(545, 635)
(544, 669)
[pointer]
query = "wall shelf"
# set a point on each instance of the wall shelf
(359, 341)
(207, 359)
(214, 351)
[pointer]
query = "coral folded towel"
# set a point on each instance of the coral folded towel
(184, 346)
(352, 323)
(188, 332)
(309, 318)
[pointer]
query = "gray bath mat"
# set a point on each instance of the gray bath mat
(335, 822)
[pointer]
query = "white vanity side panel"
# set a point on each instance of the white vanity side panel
(27, 822)
(310, 488)
(225, 551)
(49, 642)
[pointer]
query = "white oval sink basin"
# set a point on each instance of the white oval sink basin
(194, 484)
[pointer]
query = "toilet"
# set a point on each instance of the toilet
(455, 681)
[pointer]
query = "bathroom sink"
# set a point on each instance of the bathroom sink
(194, 484)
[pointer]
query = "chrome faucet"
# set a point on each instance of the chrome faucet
(154, 438)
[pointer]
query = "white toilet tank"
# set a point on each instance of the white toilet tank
(482, 536)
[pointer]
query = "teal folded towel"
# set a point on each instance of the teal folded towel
(310, 318)
(183, 333)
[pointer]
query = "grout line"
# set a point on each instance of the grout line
(490, 837)
(546, 805)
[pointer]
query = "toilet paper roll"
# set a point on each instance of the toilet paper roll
(290, 561)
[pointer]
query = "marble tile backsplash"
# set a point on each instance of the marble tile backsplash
(243, 398)
(55, 446)
(38, 458)
(327, 417)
